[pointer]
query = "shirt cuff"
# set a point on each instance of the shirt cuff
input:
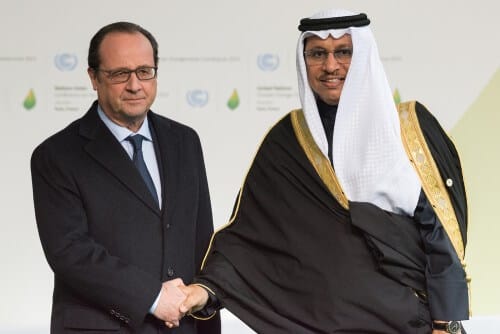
(155, 304)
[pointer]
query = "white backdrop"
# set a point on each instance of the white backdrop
(227, 69)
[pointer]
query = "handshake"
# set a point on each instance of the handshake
(177, 300)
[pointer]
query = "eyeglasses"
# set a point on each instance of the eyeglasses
(123, 75)
(319, 56)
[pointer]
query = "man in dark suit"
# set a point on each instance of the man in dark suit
(121, 200)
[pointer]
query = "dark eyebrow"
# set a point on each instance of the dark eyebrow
(345, 46)
(118, 69)
(339, 47)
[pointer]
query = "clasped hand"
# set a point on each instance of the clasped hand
(177, 300)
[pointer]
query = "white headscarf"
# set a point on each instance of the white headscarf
(368, 156)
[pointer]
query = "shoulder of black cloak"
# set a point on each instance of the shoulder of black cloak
(248, 240)
(447, 160)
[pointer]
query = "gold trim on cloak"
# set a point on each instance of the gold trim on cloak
(432, 182)
(320, 163)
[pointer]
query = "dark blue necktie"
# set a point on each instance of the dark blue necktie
(138, 159)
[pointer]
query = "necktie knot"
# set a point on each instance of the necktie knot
(136, 141)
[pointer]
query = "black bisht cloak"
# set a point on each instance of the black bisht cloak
(293, 260)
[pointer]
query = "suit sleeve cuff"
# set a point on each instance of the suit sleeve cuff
(448, 297)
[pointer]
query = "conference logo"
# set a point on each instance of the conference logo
(197, 98)
(268, 62)
(66, 61)
(234, 100)
(30, 100)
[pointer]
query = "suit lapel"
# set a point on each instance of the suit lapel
(106, 150)
(167, 153)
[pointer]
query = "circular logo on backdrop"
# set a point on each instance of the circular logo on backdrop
(66, 61)
(268, 62)
(197, 97)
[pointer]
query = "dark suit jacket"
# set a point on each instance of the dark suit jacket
(106, 240)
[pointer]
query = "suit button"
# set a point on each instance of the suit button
(167, 226)
(170, 272)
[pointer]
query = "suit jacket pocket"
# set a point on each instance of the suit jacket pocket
(81, 317)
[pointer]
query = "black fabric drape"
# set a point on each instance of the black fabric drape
(293, 260)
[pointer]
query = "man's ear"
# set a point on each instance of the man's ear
(93, 77)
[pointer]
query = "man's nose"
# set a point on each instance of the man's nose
(133, 82)
(330, 64)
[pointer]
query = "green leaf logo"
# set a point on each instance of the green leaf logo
(30, 100)
(396, 96)
(234, 100)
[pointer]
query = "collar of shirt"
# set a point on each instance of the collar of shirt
(121, 133)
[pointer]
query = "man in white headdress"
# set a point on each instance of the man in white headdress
(353, 215)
